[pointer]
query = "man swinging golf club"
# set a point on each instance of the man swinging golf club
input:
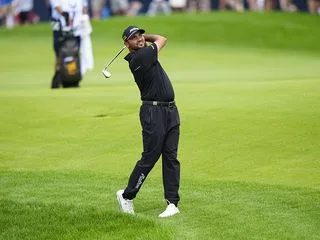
(159, 118)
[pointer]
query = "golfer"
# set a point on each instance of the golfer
(159, 118)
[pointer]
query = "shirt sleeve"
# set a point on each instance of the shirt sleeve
(144, 58)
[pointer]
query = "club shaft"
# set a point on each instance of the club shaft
(115, 57)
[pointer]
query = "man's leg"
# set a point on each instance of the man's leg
(171, 166)
(153, 137)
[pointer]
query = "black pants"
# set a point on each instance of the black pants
(160, 132)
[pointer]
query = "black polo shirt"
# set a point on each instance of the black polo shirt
(153, 82)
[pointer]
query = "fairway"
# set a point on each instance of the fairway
(248, 90)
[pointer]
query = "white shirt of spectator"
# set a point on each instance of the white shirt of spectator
(178, 3)
(24, 5)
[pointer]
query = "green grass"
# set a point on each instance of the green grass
(247, 87)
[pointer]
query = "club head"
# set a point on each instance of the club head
(106, 73)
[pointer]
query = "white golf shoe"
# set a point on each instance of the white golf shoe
(126, 205)
(170, 211)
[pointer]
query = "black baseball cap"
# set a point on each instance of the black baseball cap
(130, 31)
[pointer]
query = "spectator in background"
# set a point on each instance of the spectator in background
(7, 12)
(25, 13)
(287, 6)
(269, 4)
(178, 5)
(236, 5)
(119, 7)
(199, 5)
(284, 5)
(159, 7)
(253, 5)
(97, 6)
(314, 6)
(134, 8)
(260, 4)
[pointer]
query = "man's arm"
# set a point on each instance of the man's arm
(160, 41)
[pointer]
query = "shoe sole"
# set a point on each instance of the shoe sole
(169, 215)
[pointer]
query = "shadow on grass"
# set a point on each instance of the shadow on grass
(31, 220)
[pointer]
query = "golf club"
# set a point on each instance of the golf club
(104, 71)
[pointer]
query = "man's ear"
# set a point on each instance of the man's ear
(126, 44)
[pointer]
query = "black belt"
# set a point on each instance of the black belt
(157, 103)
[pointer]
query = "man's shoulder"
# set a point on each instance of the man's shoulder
(143, 52)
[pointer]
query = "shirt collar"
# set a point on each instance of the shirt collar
(128, 57)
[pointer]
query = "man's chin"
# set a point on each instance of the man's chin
(139, 46)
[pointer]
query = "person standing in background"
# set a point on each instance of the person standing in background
(66, 15)
(97, 6)
(178, 5)
(119, 7)
(24, 8)
(314, 6)
(199, 5)
(159, 7)
(7, 12)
